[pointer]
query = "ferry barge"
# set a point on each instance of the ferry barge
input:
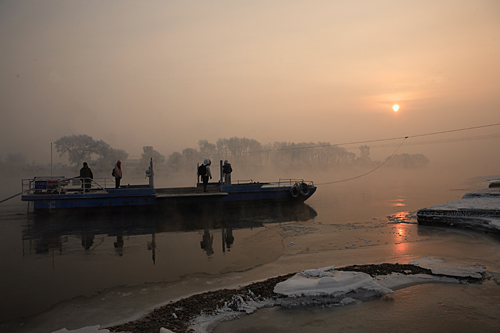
(51, 194)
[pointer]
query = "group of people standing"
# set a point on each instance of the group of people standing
(205, 173)
(87, 175)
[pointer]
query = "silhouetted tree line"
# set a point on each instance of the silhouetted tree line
(284, 155)
(239, 151)
(82, 148)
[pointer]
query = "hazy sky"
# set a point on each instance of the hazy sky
(169, 73)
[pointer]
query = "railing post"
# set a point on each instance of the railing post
(221, 174)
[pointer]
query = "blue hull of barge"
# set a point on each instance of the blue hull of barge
(111, 198)
(148, 198)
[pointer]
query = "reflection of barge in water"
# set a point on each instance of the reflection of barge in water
(53, 194)
(44, 233)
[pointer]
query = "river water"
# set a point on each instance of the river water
(72, 271)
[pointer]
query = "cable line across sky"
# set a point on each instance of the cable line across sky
(404, 139)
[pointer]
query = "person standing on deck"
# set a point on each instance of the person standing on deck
(226, 170)
(86, 175)
(117, 172)
(204, 172)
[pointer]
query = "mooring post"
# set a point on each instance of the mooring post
(221, 182)
(151, 174)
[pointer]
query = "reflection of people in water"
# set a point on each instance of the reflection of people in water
(119, 242)
(119, 245)
(152, 248)
(87, 241)
(227, 239)
(206, 243)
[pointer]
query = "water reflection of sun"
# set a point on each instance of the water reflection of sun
(401, 243)
(400, 215)
(401, 248)
(398, 202)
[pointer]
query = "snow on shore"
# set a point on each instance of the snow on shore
(443, 266)
(88, 329)
(470, 203)
(479, 210)
(339, 285)
(331, 287)
(96, 329)
(481, 200)
(328, 282)
(327, 286)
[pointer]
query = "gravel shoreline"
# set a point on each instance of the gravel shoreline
(177, 316)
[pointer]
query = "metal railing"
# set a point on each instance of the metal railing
(281, 182)
(242, 181)
(291, 182)
(63, 185)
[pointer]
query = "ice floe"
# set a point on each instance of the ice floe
(88, 329)
(331, 287)
(479, 210)
(337, 284)
(443, 266)
(327, 286)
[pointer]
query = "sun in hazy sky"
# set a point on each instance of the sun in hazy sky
(395, 107)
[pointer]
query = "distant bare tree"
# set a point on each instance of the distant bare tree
(364, 158)
(78, 147)
(191, 157)
(175, 161)
(108, 156)
(148, 154)
(237, 149)
(81, 148)
(206, 148)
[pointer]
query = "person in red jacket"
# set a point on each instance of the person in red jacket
(117, 172)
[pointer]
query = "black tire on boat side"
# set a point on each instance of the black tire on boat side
(304, 189)
(295, 191)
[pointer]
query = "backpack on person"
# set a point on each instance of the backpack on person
(202, 170)
(226, 168)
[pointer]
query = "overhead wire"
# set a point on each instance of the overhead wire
(404, 139)
(367, 173)
(438, 141)
(389, 139)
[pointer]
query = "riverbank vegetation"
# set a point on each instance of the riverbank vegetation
(240, 152)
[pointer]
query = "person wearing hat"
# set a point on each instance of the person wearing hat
(86, 175)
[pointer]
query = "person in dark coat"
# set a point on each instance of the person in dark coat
(117, 172)
(226, 170)
(87, 176)
(205, 173)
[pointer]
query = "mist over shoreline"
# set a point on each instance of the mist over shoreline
(168, 74)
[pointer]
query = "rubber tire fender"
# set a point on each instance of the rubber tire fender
(304, 189)
(295, 191)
